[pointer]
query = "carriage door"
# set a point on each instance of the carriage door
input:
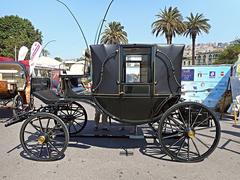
(136, 70)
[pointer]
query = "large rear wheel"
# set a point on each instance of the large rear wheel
(74, 116)
(189, 132)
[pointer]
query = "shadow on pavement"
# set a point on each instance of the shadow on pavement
(5, 114)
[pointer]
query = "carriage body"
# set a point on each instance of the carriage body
(133, 83)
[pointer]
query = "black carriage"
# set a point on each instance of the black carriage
(136, 84)
(13, 83)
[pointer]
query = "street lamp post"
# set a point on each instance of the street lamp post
(46, 46)
(15, 49)
(15, 53)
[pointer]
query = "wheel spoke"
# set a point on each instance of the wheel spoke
(189, 116)
(54, 128)
(40, 152)
(54, 147)
(33, 134)
(62, 111)
(196, 118)
(195, 147)
(177, 123)
(56, 141)
(202, 142)
(76, 110)
(204, 128)
(34, 126)
(47, 124)
(176, 142)
(78, 123)
(181, 146)
(170, 124)
(74, 127)
(188, 149)
(40, 123)
(202, 121)
(171, 136)
(181, 117)
(174, 126)
(79, 114)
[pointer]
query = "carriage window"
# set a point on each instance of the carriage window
(136, 68)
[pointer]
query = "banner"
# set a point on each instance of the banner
(36, 50)
(205, 84)
(22, 53)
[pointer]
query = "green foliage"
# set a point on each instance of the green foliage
(16, 31)
(45, 52)
(114, 34)
(169, 22)
(229, 55)
(58, 59)
(195, 25)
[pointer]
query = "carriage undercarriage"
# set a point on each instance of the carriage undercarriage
(186, 131)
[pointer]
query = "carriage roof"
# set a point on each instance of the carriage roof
(140, 69)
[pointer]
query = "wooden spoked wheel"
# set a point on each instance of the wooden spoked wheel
(189, 132)
(44, 137)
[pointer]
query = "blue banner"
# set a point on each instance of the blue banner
(205, 84)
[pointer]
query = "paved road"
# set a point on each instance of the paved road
(99, 158)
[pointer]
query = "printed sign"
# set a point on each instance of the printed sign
(36, 50)
(208, 86)
(212, 74)
(187, 74)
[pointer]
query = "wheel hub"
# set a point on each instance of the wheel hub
(190, 133)
(68, 118)
(41, 139)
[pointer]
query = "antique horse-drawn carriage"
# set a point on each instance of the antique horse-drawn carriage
(13, 83)
(136, 84)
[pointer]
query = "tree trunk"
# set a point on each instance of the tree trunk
(193, 49)
(169, 39)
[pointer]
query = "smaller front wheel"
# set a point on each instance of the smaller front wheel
(44, 137)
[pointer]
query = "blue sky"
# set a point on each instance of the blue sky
(55, 22)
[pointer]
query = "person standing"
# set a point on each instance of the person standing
(97, 120)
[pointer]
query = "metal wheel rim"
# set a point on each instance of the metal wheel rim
(51, 128)
(74, 116)
(187, 140)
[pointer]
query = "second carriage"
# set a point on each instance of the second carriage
(13, 86)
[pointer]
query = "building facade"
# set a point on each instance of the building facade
(206, 54)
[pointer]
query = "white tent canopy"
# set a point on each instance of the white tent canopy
(47, 62)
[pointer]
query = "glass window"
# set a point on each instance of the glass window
(137, 65)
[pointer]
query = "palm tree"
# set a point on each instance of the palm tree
(169, 22)
(195, 25)
(114, 34)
